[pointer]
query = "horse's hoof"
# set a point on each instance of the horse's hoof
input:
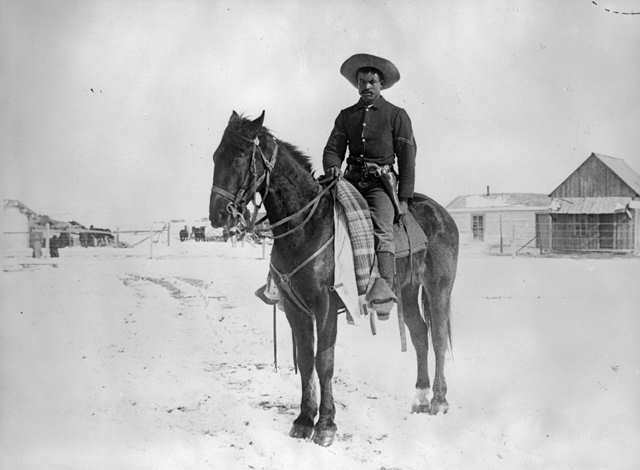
(300, 431)
(439, 406)
(421, 408)
(324, 437)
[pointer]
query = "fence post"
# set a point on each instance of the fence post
(500, 233)
(168, 233)
(264, 247)
(47, 234)
(151, 243)
(117, 237)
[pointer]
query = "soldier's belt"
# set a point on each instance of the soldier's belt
(369, 169)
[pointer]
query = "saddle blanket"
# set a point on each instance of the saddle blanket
(354, 250)
(344, 277)
(352, 209)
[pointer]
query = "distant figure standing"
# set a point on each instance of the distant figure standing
(53, 247)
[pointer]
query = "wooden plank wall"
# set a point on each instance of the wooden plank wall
(593, 179)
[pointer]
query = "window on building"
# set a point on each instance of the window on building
(477, 227)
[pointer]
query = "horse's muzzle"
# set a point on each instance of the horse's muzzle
(218, 214)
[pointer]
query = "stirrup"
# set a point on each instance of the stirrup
(381, 298)
(267, 295)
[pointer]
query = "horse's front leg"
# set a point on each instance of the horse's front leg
(325, 429)
(302, 326)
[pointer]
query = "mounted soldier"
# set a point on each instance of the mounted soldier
(376, 133)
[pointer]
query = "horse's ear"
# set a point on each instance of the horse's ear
(234, 117)
(258, 122)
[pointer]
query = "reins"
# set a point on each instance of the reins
(313, 204)
(241, 198)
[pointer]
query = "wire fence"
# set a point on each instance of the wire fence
(589, 233)
(46, 241)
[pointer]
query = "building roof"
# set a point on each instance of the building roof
(20, 206)
(617, 165)
(624, 171)
(589, 205)
(499, 201)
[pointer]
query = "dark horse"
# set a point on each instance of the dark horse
(249, 160)
(184, 234)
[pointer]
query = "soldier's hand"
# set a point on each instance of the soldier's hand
(333, 172)
(404, 207)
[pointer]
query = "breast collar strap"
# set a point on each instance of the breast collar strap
(284, 280)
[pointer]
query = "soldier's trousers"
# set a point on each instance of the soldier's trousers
(382, 213)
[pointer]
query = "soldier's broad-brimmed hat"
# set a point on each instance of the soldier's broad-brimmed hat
(350, 67)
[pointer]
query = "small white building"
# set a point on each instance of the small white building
(502, 222)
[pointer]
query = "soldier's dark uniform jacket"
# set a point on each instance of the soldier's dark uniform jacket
(376, 133)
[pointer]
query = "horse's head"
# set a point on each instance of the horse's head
(240, 167)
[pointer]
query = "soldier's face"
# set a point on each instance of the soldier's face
(369, 86)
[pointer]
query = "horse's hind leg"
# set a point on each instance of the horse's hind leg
(439, 291)
(326, 428)
(302, 326)
(418, 331)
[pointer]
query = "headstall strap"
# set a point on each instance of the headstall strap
(251, 182)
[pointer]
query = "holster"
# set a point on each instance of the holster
(361, 174)
(390, 184)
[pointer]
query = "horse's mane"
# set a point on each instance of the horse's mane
(240, 127)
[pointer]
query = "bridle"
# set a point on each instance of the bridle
(249, 188)
(251, 182)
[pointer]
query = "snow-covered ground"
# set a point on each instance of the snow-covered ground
(109, 359)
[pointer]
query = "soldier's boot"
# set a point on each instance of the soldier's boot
(381, 296)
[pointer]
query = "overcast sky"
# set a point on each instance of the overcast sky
(110, 110)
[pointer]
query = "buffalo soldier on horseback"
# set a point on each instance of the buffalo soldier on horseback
(376, 133)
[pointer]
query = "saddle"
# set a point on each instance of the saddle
(408, 236)
(354, 248)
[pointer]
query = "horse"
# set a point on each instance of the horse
(249, 160)
(199, 233)
(184, 234)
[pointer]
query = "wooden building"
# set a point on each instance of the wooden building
(501, 222)
(596, 208)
